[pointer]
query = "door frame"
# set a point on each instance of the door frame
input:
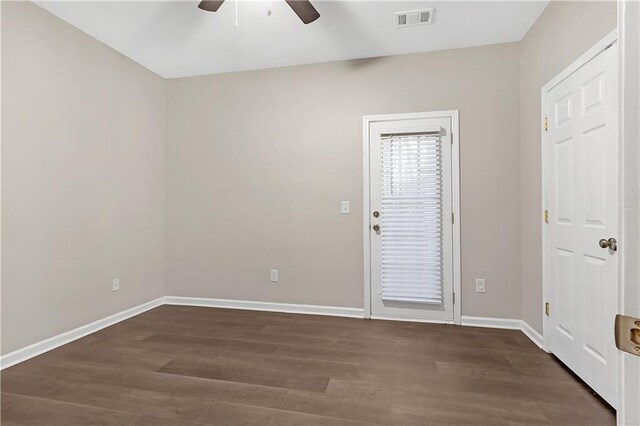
(629, 129)
(455, 201)
(609, 39)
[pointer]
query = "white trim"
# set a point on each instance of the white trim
(51, 343)
(335, 311)
(421, 320)
(366, 208)
(506, 323)
(0, 166)
(629, 293)
(583, 59)
(455, 199)
(545, 206)
(610, 38)
(457, 240)
(533, 334)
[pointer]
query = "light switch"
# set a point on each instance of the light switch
(345, 207)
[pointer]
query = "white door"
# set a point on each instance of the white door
(411, 219)
(582, 199)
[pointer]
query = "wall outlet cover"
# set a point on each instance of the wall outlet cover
(115, 285)
(345, 207)
(481, 285)
(274, 275)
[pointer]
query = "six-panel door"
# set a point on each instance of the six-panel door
(582, 177)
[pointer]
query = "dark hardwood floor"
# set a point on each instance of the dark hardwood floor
(179, 365)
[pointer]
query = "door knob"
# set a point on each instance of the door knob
(611, 243)
(376, 228)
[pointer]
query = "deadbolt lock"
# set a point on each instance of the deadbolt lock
(376, 214)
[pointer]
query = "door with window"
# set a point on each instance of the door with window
(582, 200)
(411, 219)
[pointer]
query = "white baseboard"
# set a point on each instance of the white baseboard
(38, 348)
(533, 334)
(510, 324)
(266, 306)
(51, 343)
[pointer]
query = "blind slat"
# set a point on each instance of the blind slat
(411, 215)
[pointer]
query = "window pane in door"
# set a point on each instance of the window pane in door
(411, 215)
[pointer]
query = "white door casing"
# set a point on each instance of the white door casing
(582, 202)
(375, 149)
(628, 364)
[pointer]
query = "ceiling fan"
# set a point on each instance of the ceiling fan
(303, 8)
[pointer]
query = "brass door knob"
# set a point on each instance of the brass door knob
(611, 243)
(376, 228)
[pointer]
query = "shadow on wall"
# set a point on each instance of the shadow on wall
(364, 62)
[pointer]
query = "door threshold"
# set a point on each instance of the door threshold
(423, 320)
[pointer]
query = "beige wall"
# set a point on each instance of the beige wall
(82, 178)
(563, 32)
(258, 162)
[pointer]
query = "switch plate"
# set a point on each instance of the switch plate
(274, 275)
(481, 285)
(115, 285)
(345, 207)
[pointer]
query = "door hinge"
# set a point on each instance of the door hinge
(546, 308)
(454, 297)
(546, 216)
(453, 218)
(546, 124)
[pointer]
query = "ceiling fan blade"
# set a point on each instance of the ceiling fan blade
(304, 9)
(210, 5)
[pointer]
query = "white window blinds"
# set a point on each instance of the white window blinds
(411, 214)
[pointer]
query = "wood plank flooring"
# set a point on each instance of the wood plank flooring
(177, 365)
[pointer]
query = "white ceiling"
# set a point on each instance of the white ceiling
(176, 39)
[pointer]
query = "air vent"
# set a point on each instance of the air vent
(414, 17)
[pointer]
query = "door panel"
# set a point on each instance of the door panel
(412, 251)
(583, 208)
(564, 309)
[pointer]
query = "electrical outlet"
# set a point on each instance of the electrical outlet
(274, 275)
(345, 207)
(481, 285)
(115, 285)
